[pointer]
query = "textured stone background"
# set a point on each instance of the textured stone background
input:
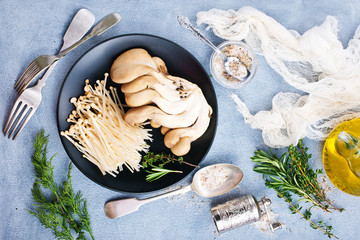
(31, 28)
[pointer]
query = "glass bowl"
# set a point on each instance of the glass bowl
(233, 48)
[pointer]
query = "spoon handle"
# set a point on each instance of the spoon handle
(78, 27)
(181, 190)
(122, 207)
(185, 22)
(107, 22)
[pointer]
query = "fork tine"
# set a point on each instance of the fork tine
(30, 78)
(31, 112)
(12, 116)
(31, 65)
(22, 117)
(27, 78)
(24, 78)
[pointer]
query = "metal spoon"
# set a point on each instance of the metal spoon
(210, 181)
(241, 71)
(79, 26)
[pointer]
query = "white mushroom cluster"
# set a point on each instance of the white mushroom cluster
(100, 132)
(172, 103)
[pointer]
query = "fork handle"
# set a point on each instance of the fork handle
(109, 21)
(41, 82)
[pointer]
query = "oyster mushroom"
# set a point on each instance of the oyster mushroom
(141, 98)
(132, 64)
(164, 130)
(172, 103)
(179, 139)
(160, 64)
(140, 83)
(138, 115)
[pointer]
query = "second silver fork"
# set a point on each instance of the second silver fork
(30, 99)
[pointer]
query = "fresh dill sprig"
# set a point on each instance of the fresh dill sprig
(156, 172)
(58, 208)
(291, 174)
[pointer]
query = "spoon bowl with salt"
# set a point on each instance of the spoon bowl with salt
(210, 181)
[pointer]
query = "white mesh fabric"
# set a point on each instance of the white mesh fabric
(314, 62)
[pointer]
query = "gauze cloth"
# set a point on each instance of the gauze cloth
(314, 62)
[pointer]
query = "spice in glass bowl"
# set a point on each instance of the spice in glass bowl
(245, 69)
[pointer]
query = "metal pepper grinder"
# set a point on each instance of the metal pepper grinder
(242, 211)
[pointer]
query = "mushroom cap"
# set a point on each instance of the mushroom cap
(140, 83)
(160, 64)
(164, 130)
(176, 107)
(182, 147)
(132, 64)
(141, 98)
(138, 115)
(172, 137)
(154, 124)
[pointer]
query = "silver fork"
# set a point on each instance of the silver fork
(27, 103)
(44, 61)
(25, 106)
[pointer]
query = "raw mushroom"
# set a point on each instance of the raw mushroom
(172, 103)
(132, 64)
(141, 98)
(140, 83)
(138, 115)
(179, 139)
(164, 130)
(160, 65)
(148, 96)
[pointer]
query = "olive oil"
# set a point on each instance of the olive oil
(348, 146)
(338, 157)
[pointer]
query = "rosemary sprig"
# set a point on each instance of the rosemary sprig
(291, 174)
(156, 172)
(59, 209)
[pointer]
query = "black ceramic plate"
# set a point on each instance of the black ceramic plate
(94, 64)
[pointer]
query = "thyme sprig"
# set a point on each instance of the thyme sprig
(156, 172)
(59, 209)
(291, 174)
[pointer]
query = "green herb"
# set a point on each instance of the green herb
(290, 174)
(156, 172)
(59, 209)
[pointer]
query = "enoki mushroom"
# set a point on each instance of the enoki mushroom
(100, 133)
